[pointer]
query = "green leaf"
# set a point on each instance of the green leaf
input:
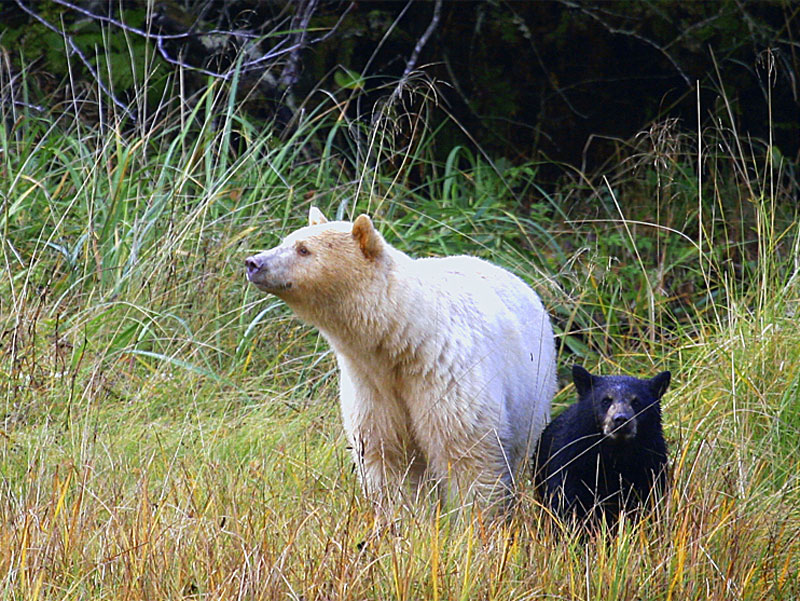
(348, 79)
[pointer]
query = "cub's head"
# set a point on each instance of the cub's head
(320, 262)
(622, 405)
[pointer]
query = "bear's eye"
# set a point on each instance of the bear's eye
(607, 401)
(302, 250)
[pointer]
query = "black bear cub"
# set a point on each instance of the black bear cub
(606, 453)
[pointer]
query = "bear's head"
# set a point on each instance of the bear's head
(621, 405)
(320, 263)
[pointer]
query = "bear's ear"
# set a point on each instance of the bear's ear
(368, 238)
(582, 379)
(660, 383)
(315, 216)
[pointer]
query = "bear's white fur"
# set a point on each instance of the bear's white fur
(447, 364)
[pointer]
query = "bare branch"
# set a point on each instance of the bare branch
(8, 86)
(300, 21)
(616, 30)
(276, 52)
(149, 34)
(558, 89)
(346, 12)
(82, 57)
(412, 61)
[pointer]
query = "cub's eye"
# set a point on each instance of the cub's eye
(607, 400)
(302, 250)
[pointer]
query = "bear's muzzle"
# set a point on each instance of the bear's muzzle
(261, 272)
(620, 422)
(253, 265)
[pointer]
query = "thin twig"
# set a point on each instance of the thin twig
(274, 53)
(148, 34)
(76, 50)
(11, 83)
(291, 73)
(412, 61)
(559, 90)
(633, 34)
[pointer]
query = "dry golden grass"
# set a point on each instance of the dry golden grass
(260, 502)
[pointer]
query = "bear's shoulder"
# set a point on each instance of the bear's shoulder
(464, 274)
(465, 265)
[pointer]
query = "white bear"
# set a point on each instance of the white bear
(447, 365)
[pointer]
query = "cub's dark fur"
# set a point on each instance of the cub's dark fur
(607, 452)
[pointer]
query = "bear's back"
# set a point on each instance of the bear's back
(477, 280)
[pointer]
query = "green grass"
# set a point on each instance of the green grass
(168, 432)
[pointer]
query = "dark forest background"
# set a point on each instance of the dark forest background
(559, 81)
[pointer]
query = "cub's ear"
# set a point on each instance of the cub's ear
(368, 238)
(660, 383)
(315, 216)
(582, 379)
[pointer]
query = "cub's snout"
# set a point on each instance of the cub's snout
(619, 422)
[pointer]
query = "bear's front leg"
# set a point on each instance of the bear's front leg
(388, 462)
(387, 472)
(485, 473)
(468, 466)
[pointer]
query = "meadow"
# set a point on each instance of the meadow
(168, 432)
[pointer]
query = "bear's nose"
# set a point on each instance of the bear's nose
(620, 419)
(253, 266)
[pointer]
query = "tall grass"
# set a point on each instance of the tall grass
(167, 432)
